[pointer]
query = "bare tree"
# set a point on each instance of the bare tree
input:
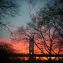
(48, 22)
(46, 25)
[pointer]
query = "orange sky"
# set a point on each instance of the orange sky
(19, 46)
(22, 46)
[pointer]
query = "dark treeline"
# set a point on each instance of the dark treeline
(6, 56)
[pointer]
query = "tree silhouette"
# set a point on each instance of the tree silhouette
(48, 22)
(6, 54)
(46, 25)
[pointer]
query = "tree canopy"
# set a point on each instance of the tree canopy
(48, 21)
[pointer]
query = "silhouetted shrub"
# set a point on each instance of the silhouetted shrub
(6, 54)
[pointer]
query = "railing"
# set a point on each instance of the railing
(37, 55)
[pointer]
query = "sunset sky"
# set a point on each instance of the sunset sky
(42, 37)
(21, 20)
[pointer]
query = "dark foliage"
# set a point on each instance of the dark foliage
(6, 54)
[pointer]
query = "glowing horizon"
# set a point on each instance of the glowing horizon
(23, 46)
